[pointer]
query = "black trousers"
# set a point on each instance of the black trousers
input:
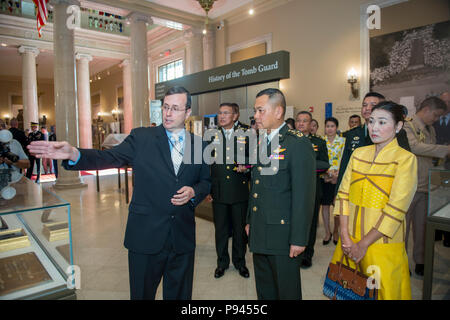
(30, 169)
(146, 271)
(309, 251)
(222, 215)
(277, 277)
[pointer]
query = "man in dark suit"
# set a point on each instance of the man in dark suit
(281, 204)
(303, 124)
(229, 192)
(18, 134)
(359, 136)
(169, 184)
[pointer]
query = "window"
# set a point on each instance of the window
(170, 71)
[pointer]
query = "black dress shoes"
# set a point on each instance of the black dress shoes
(419, 270)
(243, 271)
(219, 272)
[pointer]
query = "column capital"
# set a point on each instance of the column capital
(28, 49)
(80, 56)
(124, 63)
(140, 17)
(192, 32)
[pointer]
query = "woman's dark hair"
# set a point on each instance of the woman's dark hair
(332, 119)
(397, 111)
(314, 120)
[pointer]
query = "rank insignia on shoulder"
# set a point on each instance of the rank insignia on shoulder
(279, 150)
(295, 133)
(356, 138)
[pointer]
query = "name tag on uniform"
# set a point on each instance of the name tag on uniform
(277, 156)
(241, 140)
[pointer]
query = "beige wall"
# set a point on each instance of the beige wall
(412, 14)
(107, 88)
(323, 40)
(248, 53)
(14, 87)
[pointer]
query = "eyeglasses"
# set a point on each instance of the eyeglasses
(225, 113)
(174, 108)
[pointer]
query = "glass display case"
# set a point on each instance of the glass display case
(438, 219)
(35, 241)
(439, 194)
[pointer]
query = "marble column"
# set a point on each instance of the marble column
(29, 85)
(65, 88)
(139, 70)
(127, 103)
(194, 50)
(209, 49)
(84, 100)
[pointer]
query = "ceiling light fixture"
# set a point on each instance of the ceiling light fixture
(251, 11)
(206, 5)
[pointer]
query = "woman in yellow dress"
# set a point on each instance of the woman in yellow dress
(373, 198)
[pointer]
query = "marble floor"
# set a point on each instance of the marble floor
(98, 226)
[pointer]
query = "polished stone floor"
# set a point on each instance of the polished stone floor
(98, 226)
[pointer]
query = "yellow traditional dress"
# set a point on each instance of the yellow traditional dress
(376, 193)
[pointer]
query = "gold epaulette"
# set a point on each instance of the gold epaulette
(295, 133)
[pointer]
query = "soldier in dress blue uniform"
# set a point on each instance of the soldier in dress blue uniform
(34, 135)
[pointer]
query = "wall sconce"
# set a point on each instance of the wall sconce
(352, 78)
(7, 119)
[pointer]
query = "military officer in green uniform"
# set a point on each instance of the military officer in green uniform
(303, 124)
(280, 205)
(229, 192)
(359, 136)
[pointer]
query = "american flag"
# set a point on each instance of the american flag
(41, 14)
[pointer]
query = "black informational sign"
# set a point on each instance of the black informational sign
(270, 67)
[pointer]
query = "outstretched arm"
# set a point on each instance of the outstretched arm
(53, 150)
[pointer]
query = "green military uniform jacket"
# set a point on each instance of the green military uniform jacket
(280, 207)
(322, 162)
(229, 186)
(359, 137)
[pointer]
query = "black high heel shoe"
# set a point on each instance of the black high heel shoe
(325, 242)
(335, 241)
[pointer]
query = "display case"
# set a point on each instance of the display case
(35, 241)
(438, 219)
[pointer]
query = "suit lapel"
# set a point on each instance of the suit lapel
(163, 145)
